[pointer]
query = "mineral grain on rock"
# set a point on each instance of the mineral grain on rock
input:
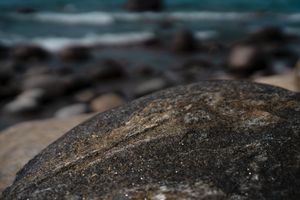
(210, 140)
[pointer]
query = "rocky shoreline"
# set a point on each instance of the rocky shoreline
(37, 84)
(175, 111)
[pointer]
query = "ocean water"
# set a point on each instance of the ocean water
(62, 22)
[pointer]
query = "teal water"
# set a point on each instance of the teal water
(60, 22)
(114, 5)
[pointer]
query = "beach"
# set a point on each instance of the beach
(157, 99)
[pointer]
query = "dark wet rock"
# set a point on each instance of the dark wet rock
(75, 54)
(270, 34)
(142, 5)
(25, 10)
(210, 140)
(167, 23)
(9, 90)
(281, 52)
(43, 69)
(200, 63)
(194, 70)
(152, 42)
(64, 70)
(76, 82)
(106, 102)
(214, 47)
(29, 53)
(12, 66)
(4, 51)
(38, 70)
(184, 41)
(51, 84)
(246, 59)
(145, 70)
(72, 110)
(11, 74)
(105, 70)
(6, 74)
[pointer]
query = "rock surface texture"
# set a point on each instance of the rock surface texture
(210, 140)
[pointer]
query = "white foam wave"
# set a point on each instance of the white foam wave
(201, 15)
(138, 16)
(205, 35)
(57, 43)
(207, 15)
(294, 17)
(105, 18)
(92, 18)
(292, 30)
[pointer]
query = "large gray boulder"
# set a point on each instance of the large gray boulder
(210, 140)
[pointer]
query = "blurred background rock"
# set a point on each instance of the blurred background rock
(63, 58)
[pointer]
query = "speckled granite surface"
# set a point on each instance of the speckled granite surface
(210, 140)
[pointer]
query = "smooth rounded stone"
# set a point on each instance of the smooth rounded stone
(184, 41)
(75, 53)
(29, 53)
(209, 140)
(21, 105)
(85, 96)
(247, 59)
(106, 102)
(145, 71)
(142, 5)
(36, 93)
(27, 101)
(20, 143)
(72, 110)
(286, 80)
